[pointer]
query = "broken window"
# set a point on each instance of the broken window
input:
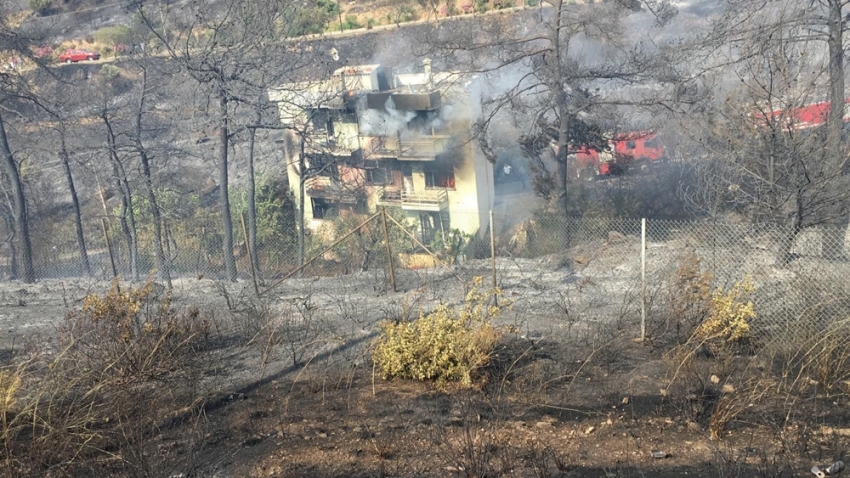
(324, 208)
(439, 177)
(325, 166)
(376, 173)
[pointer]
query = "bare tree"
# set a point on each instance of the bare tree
(18, 202)
(13, 88)
(540, 78)
(222, 50)
(163, 264)
(778, 150)
(126, 216)
(64, 156)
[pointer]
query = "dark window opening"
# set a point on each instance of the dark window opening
(630, 144)
(323, 208)
(325, 166)
(377, 173)
(652, 143)
(440, 177)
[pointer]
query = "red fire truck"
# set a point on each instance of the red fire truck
(627, 151)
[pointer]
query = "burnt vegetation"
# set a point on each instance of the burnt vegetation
(190, 155)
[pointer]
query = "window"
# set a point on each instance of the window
(326, 166)
(376, 173)
(323, 208)
(652, 143)
(440, 177)
(630, 144)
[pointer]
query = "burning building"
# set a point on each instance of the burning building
(367, 138)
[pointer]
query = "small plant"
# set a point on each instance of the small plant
(407, 13)
(110, 71)
(447, 345)
(41, 6)
(351, 23)
(114, 35)
(730, 317)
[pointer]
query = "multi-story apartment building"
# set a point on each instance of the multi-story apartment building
(367, 138)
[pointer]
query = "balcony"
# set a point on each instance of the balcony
(319, 142)
(429, 200)
(427, 148)
(325, 187)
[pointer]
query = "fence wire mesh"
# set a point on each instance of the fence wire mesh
(558, 272)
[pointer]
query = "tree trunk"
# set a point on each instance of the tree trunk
(836, 84)
(786, 242)
(252, 206)
(127, 216)
(162, 264)
(78, 222)
(833, 238)
(13, 264)
(24, 257)
(563, 108)
(302, 179)
(224, 195)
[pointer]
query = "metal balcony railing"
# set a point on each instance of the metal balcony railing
(429, 200)
(419, 149)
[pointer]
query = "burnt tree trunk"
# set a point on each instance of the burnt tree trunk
(252, 205)
(21, 229)
(302, 180)
(163, 265)
(833, 235)
(224, 195)
(127, 216)
(78, 221)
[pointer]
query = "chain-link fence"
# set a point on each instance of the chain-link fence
(558, 271)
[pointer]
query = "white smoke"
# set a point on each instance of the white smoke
(387, 122)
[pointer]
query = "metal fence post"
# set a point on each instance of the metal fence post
(642, 279)
(493, 248)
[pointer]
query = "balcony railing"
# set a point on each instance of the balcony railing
(429, 200)
(420, 149)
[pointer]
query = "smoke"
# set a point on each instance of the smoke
(387, 122)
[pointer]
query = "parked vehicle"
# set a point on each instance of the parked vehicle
(635, 150)
(73, 56)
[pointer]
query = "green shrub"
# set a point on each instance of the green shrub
(447, 345)
(351, 23)
(311, 21)
(119, 34)
(40, 6)
(110, 71)
(406, 13)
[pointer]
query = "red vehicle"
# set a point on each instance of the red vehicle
(73, 56)
(803, 117)
(636, 149)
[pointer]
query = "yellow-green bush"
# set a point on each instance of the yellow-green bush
(730, 316)
(446, 345)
